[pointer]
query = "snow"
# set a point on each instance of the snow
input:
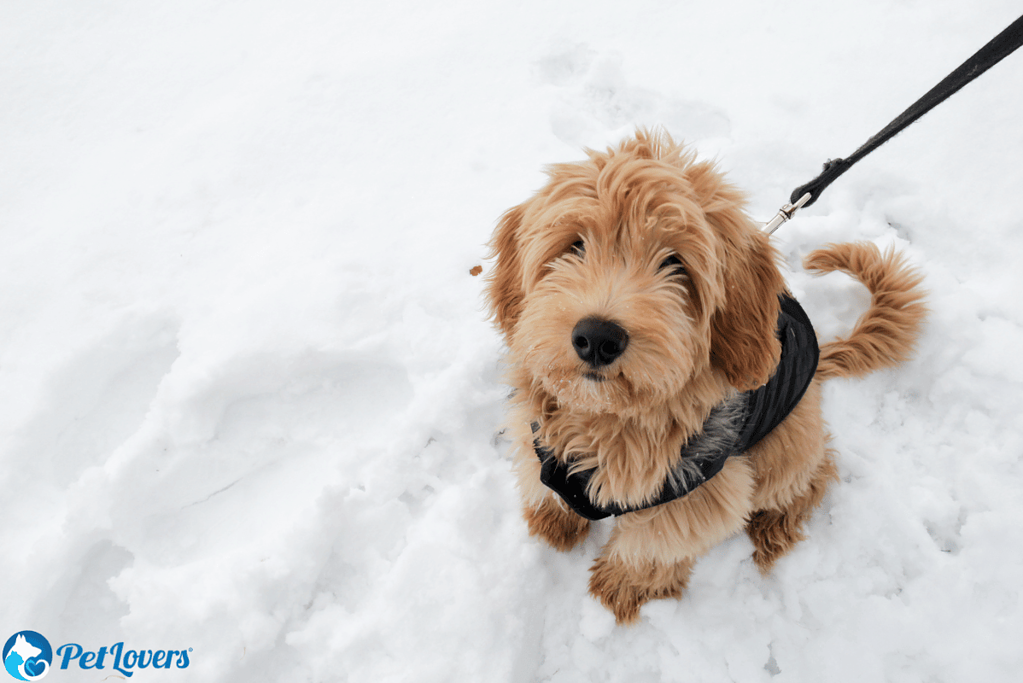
(250, 401)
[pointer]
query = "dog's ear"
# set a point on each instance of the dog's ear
(504, 287)
(744, 342)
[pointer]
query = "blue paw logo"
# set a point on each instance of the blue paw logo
(27, 656)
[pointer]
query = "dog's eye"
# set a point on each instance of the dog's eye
(579, 248)
(674, 265)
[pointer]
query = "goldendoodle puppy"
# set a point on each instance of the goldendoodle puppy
(661, 371)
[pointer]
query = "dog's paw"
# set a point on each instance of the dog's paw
(623, 589)
(621, 597)
(773, 534)
(559, 528)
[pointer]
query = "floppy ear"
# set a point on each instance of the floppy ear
(744, 342)
(504, 288)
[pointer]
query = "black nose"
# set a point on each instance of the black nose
(599, 342)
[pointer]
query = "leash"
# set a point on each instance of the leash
(1000, 47)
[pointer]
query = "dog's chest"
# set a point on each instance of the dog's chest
(603, 467)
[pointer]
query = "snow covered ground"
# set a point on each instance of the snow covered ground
(249, 402)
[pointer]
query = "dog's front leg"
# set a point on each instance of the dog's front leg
(546, 516)
(651, 553)
(625, 585)
(561, 528)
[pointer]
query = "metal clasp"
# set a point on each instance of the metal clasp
(785, 213)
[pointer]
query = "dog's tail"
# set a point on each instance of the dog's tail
(886, 334)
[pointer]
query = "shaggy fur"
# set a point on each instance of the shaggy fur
(657, 242)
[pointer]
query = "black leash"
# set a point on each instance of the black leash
(1000, 47)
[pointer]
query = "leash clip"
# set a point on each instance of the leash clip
(785, 213)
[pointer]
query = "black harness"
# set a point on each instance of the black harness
(731, 429)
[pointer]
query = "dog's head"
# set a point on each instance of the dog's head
(631, 273)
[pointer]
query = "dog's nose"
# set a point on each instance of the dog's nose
(599, 342)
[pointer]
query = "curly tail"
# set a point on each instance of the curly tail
(885, 335)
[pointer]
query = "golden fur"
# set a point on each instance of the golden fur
(593, 243)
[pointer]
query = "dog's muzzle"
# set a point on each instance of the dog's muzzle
(599, 342)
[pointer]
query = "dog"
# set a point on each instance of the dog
(643, 314)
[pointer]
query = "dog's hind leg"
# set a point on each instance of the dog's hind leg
(794, 467)
(774, 532)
